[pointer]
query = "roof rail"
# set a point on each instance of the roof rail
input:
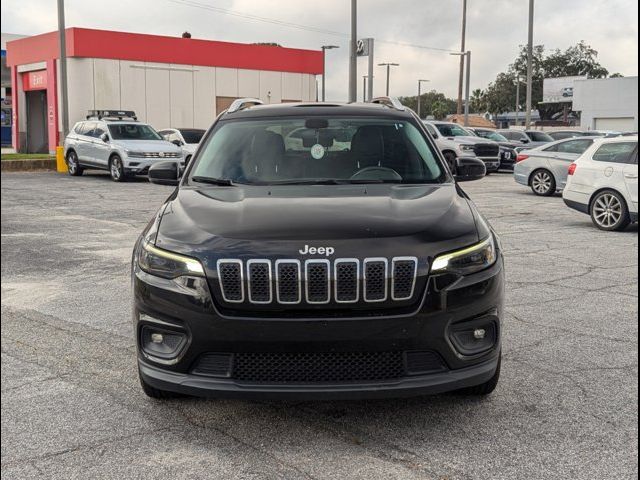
(392, 102)
(115, 114)
(242, 103)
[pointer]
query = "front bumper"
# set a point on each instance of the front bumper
(467, 300)
(140, 166)
(492, 164)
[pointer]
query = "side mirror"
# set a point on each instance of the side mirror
(470, 169)
(104, 137)
(525, 140)
(165, 173)
(177, 142)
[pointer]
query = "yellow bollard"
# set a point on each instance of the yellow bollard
(61, 164)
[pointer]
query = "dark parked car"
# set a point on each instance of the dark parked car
(526, 138)
(508, 151)
(364, 271)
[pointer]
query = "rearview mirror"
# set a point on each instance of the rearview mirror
(165, 173)
(469, 169)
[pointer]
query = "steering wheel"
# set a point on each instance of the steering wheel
(376, 173)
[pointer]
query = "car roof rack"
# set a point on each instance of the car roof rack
(391, 102)
(242, 103)
(112, 114)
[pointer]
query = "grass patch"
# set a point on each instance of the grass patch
(26, 156)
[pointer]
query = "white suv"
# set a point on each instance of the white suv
(454, 141)
(107, 141)
(603, 183)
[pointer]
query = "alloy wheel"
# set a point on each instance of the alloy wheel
(116, 169)
(607, 210)
(541, 183)
(72, 163)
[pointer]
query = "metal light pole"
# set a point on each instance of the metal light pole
(518, 81)
(467, 86)
(64, 94)
(388, 65)
(324, 65)
(462, 49)
(527, 121)
(419, 94)
(353, 58)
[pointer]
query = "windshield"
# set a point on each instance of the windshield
(490, 135)
(292, 150)
(133, 131)
(539, 137)
(192, 136)
(452, 130)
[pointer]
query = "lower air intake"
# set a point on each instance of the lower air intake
(312, 367)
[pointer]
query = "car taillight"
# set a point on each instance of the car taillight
(572, 168)
(521, 157)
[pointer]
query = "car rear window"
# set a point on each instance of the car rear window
(618, 152)
(300, 150)
(539, 137)
(192, 136)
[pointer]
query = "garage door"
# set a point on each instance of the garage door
(618, 124)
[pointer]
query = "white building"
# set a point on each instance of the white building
(607, 104)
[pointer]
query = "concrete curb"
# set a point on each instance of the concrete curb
(28, 165)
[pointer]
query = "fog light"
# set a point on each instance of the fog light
(160, 343)
(474, 337)
(479, 333)
(157, 338)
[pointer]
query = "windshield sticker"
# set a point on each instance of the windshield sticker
(317, 151)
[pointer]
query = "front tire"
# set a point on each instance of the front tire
(485, 388)
(156, 393)
(609, 211)
(543, 183)
(451, 158)
(116, 169)
(73, 166)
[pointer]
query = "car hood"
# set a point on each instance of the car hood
(147, 145)
(356, 220)
(509, 144)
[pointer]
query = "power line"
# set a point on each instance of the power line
(283, 23)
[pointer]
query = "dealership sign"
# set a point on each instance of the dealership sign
(36, 80)
(558, 90)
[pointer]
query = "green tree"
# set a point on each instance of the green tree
(431, 103)
(477, 102)
(577, 60)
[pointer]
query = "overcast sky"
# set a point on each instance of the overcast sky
(495, 29)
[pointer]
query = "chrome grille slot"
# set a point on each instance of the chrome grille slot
(316, 274)
(375, 279)
(403, 277)
(318, 281)
(259, 283)
(231, 281)
(288, 281)
(347, 280)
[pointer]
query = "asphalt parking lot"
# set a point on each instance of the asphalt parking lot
(72, 408)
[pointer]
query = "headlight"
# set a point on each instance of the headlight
(469, 260)
(163, 263)
(466, 148)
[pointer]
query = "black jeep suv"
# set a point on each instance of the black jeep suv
(317, 251)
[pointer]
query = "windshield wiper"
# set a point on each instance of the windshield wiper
(223, 182)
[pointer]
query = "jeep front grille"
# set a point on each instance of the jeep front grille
(317, 281)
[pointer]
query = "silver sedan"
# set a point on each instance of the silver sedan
(544, 169)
